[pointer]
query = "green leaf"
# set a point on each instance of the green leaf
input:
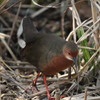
(86, 54)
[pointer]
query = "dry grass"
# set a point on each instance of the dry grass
(86, 34)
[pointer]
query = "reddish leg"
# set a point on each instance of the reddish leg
(35, 80)
(34, 83)
(47, 90)
(48, 93)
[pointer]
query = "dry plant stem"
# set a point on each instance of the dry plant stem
(74, 32)
(6, 29)
(85, 96)
(71, 87)
(7, 96)
(48, 80)
(62, 19)
(7, 66)
(94, 16)
(76, 16)
(11, 16)
(87, 33)
(97, 5)
(95, 91)
(11, 6)
(84, 23)
(0, 94)
(51, 87)
(46, 8)
(40, 11)
(69, 72)
(7, 76)
(2, 35)
(3, 4)
(49, 6)
(63, 78)
(86, 66)
(62, 26)
(8, 48)
(13, 26)
(80, 96)
(4, 22)
(25, 6)
(19, 62)
(84, 47)
(71, 33)
(37, 94)
(75, 13)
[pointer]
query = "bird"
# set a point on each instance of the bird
(49, 53)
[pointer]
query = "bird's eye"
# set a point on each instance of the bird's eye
(69, 53)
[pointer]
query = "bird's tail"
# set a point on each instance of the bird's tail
(26, 32)
(29, 30)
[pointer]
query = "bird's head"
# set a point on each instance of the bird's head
(70, 51)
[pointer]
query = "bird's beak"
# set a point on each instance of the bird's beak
(74, 59)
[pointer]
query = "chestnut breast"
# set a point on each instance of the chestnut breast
(56, 64)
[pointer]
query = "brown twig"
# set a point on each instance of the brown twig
(49, 6)
(2, 5)
(13, 26)
(85, 96)
(4, 22)
(7, 76)
(9, 49)
(40, 11)
(11, 6)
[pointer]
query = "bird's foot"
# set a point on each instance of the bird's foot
(34, 87)
(50, 97)
(28, 90)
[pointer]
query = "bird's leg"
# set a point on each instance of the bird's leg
(34, 83)
(47, 90)
(35, 80)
